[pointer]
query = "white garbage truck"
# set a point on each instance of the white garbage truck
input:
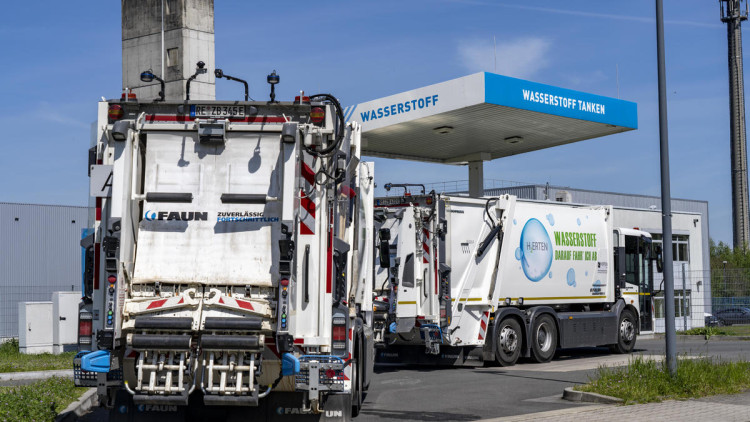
(463, 281)
(231, 261)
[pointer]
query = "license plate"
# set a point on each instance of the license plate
(216, 111)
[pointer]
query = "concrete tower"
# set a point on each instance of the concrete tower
(732, 15)
(186, 29)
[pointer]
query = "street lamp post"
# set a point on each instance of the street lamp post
(666, 198)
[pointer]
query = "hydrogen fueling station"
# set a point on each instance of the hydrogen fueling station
(482, 117)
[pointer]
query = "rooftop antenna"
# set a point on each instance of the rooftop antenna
(733, 15)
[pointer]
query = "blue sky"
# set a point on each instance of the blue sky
(60, 59)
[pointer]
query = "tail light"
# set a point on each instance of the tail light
(339, 334)
(85, 329)
(115, 112)
(317, 115)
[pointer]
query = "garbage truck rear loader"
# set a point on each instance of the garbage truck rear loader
(463, 281)
(227, 264)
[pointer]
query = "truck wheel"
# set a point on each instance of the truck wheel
(508, 341)
(625, 333)
(356, 387)
(543, 339)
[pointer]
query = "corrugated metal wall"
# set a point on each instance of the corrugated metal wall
(39, 254)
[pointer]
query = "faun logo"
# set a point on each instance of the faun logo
(298, 411)
(176, 216)
(157, 408)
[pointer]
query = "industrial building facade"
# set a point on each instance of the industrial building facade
(39, 254)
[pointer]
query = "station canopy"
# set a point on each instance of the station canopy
(485, 116)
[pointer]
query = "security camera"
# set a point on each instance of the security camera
(201, 65)
(219, 73)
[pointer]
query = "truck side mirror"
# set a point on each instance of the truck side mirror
(659, 257)
(384, 248)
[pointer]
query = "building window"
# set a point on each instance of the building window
(681, 304)
(680, 246)
(173, 56)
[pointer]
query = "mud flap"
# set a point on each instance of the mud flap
(275, 407)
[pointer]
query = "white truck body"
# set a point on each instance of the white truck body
(459, 265)
(225, 246)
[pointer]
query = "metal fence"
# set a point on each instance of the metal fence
(11, 296)
(454, 186)
(711, 297)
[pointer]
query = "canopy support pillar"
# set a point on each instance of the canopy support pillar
(476, 179)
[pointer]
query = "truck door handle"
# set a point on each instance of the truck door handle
(62, 318)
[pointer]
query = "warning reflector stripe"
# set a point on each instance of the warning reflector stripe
(308, 174)
(307, 195)
(245, 305)
(483, 325)
(156, 304)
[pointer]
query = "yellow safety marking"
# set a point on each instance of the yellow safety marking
(514, 299)
(411, 302)
(637, 293)
(470, 299)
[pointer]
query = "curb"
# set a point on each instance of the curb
(35, 375)
(572, 395)
(79, 407)
(711, 338)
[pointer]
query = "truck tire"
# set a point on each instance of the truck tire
(625, 333)
(356, 387)
(508, 340)
(543, 339)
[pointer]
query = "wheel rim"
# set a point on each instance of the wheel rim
(508, 340)
(543, 338)
(627, 330)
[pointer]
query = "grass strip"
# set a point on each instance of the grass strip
(739, 330)
(11, 360)
(40, 401)
(644, 381)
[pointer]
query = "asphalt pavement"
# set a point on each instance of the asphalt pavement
(401, 393)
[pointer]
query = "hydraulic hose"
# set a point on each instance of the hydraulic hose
(339, 134)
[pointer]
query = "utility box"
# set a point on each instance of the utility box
(65, 321)
(35, 327)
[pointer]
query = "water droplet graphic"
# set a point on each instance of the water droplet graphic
(598, 283)
(551, 219)
(571, 277)
(550, 274)
(514, 222)
(535, 250)
(578, 220)
(586, 273)
(519, 254)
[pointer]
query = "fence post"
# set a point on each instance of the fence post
(684, 299)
